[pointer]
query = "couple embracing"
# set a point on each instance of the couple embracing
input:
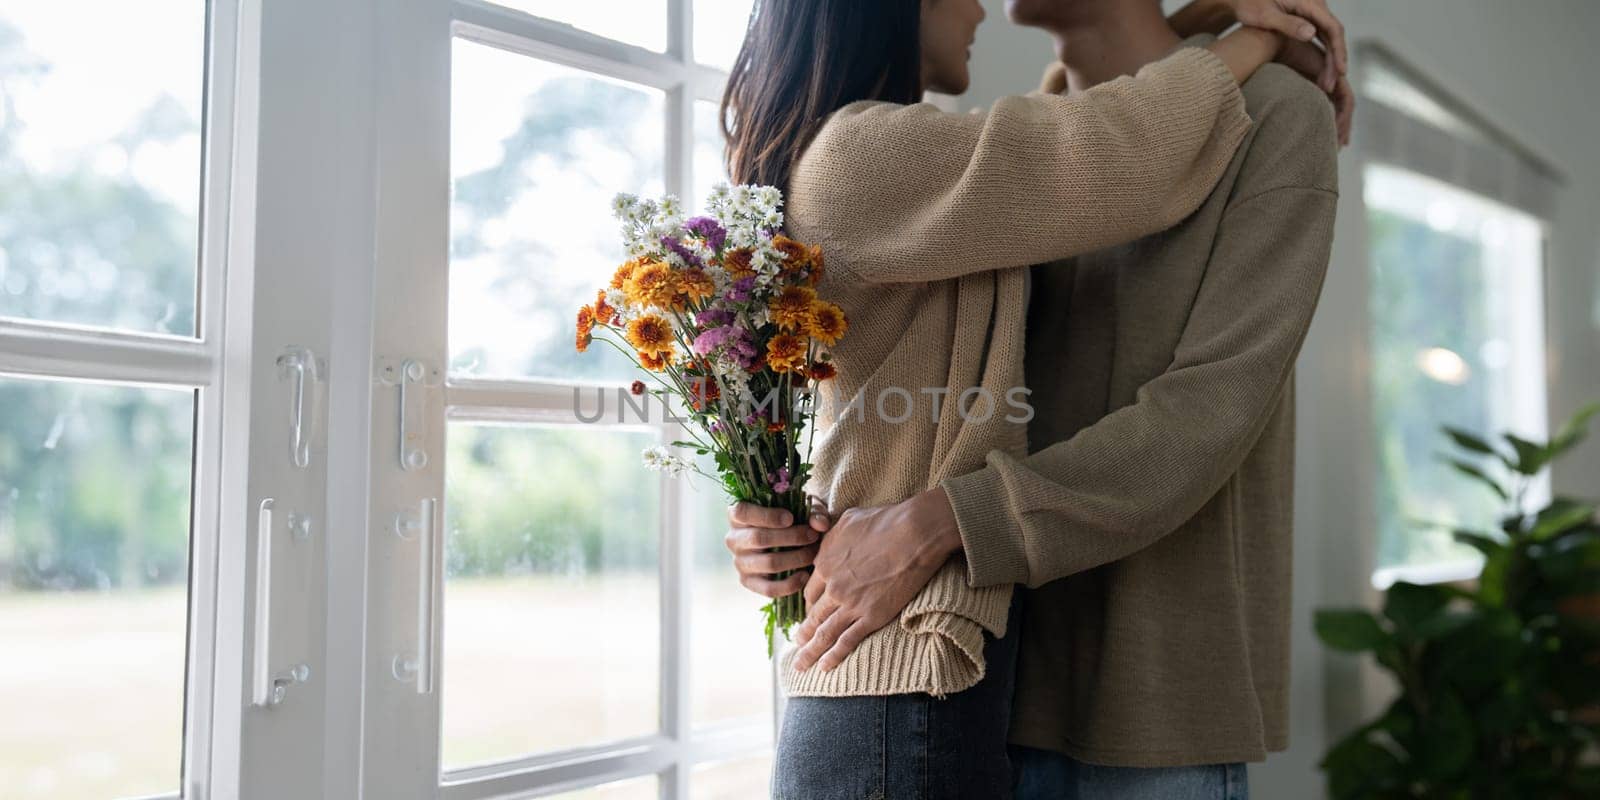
(1090, 600)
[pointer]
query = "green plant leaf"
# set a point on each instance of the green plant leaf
(1482, 542)
(1473, 471)
(1563, 514)
(1409, 605)
(1357, 768)
(1531, 456)
(1467, 441)
(1352, 630)
(1445, 738)
(1574, 431)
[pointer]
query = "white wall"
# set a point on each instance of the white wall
(1526, 66)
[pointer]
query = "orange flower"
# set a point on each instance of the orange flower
(620, 278)
(695, 285)
(650, 334)
(604, 314)
(703, 390)
(775, 426)
(827, 323)
(795, 254)
(815, 275)
(656, 362)
(786, 353)
(737, 263)
(791, 309)
(821, 371)
(653, 284)
(585, 328)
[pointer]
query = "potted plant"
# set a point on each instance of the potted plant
(1497, 680)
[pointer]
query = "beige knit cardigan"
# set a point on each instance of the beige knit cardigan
(929, 220)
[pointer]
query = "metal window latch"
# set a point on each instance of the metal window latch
(423, 526)
(268, 688)
(302, 365)
(414, 378)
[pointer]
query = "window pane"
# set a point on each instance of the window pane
(634, 789)
(731, 676)
(719, 27)
(552, 600)
(710, 168)
(732, 780)
(1457, 339)
(100, 161)
(537, 152)
(637, 22)
(94, 549)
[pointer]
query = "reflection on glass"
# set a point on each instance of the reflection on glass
(642, 23)
(732, 780)
(100, 162)
(552, 609)
(94, 548)
(632, 789)
(1457, 339)
(730, 674)
(719, 27)
(710, 168)
(537, 152)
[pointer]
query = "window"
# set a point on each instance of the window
(1456, 294)
(594, 634)
(108, 400)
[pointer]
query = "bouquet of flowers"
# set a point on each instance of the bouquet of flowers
(720, 310)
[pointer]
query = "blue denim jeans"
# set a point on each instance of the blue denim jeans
(903, 746)
(1048, 775)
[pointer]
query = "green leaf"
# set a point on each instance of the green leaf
(1562, 515)
(1352, 630)
(1445, 738)
(1574, 431)
(1473, 471)
(1357, 767)
(1482, 542)
(1531, 456)
(1409, 605)
(1467, 441)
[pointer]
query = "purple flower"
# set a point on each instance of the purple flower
(709, 231)
(709, 340)
(713, 316)
(782, 484)
(689, 257)
(739, 292)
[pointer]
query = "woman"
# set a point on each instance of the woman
(929, 221)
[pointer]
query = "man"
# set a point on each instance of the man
(1151, 524)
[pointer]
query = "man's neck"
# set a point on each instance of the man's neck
(1103, 40)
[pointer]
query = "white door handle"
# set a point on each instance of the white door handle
(418, 665)
(266, 688)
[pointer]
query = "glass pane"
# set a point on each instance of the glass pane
(100, 161)
(637, 22)
(731, 676)
(1457, 339)
(552, 598)
(719, 27)
(732, 780)
(537, 152)
(710, 168)
(94, 553)
(634, 789)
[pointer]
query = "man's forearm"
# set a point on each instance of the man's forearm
(1202, 16)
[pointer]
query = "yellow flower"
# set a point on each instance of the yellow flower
(604, 314)
(650, 334)
(821, 370)
(814, 276)
(652, 284)
(786, 353)
(827, 323)
(791, 309)
(695, 285)
(657, 362)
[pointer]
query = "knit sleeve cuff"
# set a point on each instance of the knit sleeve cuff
(990, 536)
(1213, 81)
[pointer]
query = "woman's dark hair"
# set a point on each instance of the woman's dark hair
(804, 59)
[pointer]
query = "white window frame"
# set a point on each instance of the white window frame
(412, 233)
(44, 350)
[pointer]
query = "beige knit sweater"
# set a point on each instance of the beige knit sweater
(929, 221)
